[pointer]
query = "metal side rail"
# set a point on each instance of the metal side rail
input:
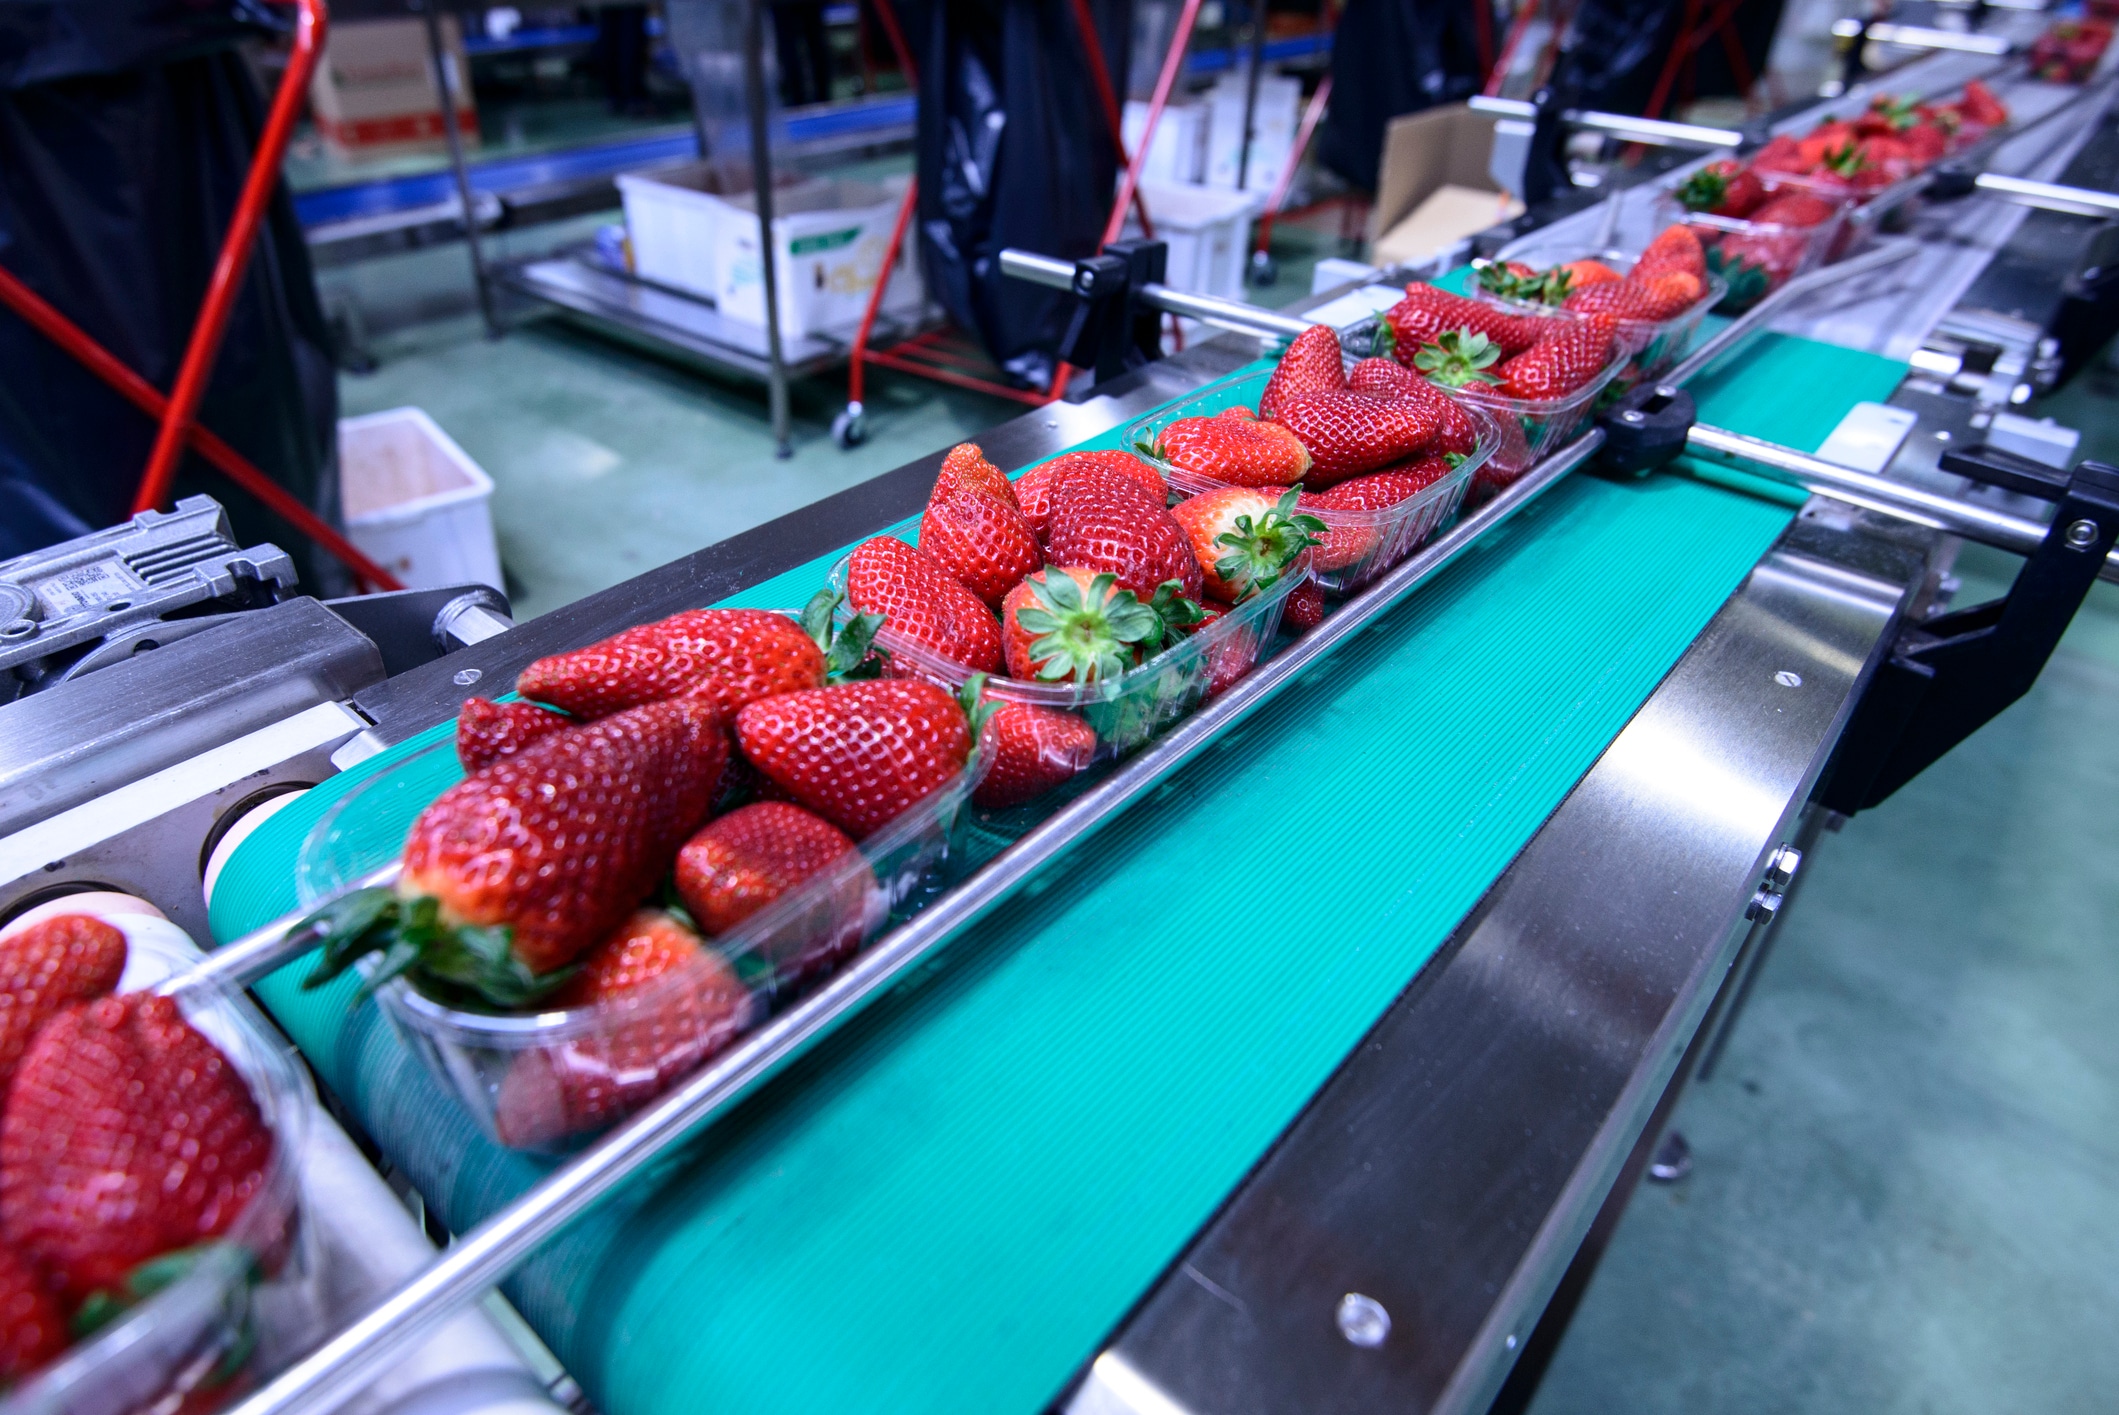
(484, 1256)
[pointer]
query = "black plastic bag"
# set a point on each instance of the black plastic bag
(1390, 58)
(1014, 150)
(120, 169)
(1616, 52)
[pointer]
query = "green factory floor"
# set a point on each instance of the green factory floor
(1906, 1189)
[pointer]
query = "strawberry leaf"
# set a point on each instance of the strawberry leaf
(460, 965)
(1459, 357)
(850, 651)
(1085, 634)
(1259, 555)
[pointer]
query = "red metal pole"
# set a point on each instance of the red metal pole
(1516, 27)
(1100, 73)
(856, 384)
(889, 17)
(1173, 61)
(227, 280)
(40, 315)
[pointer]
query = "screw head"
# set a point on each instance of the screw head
(1765, 906)
(1362, 1320)
(1630, 416)
(2082, 533)
(465, 677)
(1788, 678)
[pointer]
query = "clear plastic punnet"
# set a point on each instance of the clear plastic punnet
(1357, 545)
(249, 1302)
(1755, 258)
(1128, 710)
(547, 1081)
(1656, 344)
(1532, 427)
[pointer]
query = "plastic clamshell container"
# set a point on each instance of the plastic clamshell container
(1656, 344)
(1755, 258)
(1532, 427)
(1136, 705)
(250, 1303)
(1357, 545)
(548, 1081)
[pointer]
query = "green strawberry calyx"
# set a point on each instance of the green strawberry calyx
(1540, 287)
(1260, 554)
(1845, 160)
(1704, 190)
(1086, 634)
(1174, 611)
(1900, 113)
(105, 1305)
(850, 650)
(460, 965)
(1459, 357)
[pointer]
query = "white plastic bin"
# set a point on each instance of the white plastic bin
(1208, 230)
(673, 220)
(829, 237)
(415, 502)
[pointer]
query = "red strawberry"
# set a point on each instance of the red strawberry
(984, 542)
(1674, 248)
(1980, 106)
(1794, 209)
(1581, 274)
(1386, 377)
(1238, 450)
(1035, 488)
(1458, 432)
(1722, 189)
(71, 958)
(518, 870)
(966, 469)
(1106, 523)
(1081, 626)
(858, 754)
(749, 653)
(1561, 364)
(32, 1331)
(1427, 312)
(921, 601)
(486, 731)
(1927, 143)
(127, 1135)
(1244, 542)
(748, 858)
(1782, 154)
(1386, 488)
(1657, 296)
(1305, 607)
(1032, 750)
(669, 1003)
(1351, 433)
(1312, 364)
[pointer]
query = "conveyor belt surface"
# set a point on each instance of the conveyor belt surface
(948, 1204)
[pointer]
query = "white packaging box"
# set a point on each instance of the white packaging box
(672, 220)
(374, 91)
(415, 501)
(829, 239)
(1179, 145)
(1278, 114)
(1208, 233)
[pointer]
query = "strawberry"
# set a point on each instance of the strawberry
(748, 653)
(32, 1331)
(1979, 106)
(1458, 432)
(1561, 364)
(982, 540)
(1239, 450)
(748, 858)
(127, 1135)
(1305, 607)
(1583, 273)
(1035, 488)
(1722, 189)
(1927, 143)
(966, 469)
(516, 871)
(1794, 209)
(1032, 750)
(670, 1002)
(1653, 297)
(923, 602)
(486, 731)
(1243, 541)
(1517, 281)
(858, 754)
(70, 958)
(1427, 312)
(1106, 523)
(1674, 248)
(1350, 433)
(1312, 364)
(1388, 487)
(1080, 626)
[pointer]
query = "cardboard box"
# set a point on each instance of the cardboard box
(374, 92)
(829, 238)
(1424, 153)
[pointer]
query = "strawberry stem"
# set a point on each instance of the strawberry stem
(850, 651)
(1459, 357)
(1089, 634)
(1259, 555)
(460, 965)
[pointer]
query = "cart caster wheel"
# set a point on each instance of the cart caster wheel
(1264, 269)
(850, 428)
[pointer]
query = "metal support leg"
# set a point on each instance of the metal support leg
(761, 168)
(1250, 94)
(444, 84)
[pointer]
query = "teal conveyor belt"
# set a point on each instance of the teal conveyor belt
(948, 1203)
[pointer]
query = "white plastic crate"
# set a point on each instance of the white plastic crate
(1208, 231)
(672, 219)
(415, 501)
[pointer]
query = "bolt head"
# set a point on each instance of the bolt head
(465, 677)
(1362, 1320)
(2082, 533)
(1630, 416)
(1788, 678)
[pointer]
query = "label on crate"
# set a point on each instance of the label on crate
(823, 241)
(85, 587)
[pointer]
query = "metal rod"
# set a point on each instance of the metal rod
(226, 283)
(1753, 320)
(264, 951)
(1058, 274)
(338, 1370)
(2015, 534)
(761, 169)
(1656, 132)
(459, 167)
(1921, 37)
(2047, 196)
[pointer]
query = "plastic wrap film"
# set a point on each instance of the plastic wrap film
(953, 1199)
